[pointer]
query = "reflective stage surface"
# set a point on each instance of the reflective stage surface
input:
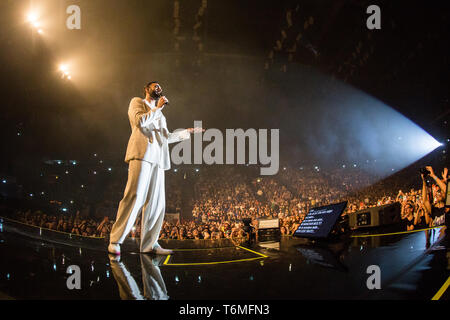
(412, 266)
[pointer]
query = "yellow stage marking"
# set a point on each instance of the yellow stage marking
(167, 259)
(210, 263)
(261, 256)
(198, 249)
(393, 233)
(441, 291)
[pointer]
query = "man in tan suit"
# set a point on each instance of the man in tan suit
(148, 157)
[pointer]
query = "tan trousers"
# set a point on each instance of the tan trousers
(145, 191)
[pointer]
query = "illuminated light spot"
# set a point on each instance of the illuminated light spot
(63, 68)
(32, 17)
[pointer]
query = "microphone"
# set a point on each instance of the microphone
(166, 103)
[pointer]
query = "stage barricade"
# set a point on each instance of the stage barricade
(101, 243)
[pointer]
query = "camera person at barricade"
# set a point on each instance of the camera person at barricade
(433, 200)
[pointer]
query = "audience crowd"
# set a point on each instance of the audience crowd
(224, 196)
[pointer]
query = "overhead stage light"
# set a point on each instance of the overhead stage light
(65, 72)
(32, 17)
(33, 20)
(63, 68)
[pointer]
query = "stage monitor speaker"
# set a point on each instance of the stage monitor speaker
(268, 235)
(376, 216)
(268, 229)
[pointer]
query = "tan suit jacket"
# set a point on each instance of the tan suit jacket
(137, 145)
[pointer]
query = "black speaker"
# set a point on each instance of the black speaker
(376, 216)
(271, 234)
(268, 229)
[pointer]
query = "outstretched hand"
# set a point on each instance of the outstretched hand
(430, 168)
(195, 130)
(444, 174)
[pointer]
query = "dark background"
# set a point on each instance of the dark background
(238, 79)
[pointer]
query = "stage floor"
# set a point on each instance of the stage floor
(412, 266)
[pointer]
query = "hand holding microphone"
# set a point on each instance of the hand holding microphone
(162, 102)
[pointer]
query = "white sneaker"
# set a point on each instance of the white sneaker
(162, 252)
(157, 249)
(114, 248)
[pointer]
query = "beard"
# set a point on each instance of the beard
(155, 95)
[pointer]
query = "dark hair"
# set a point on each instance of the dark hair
(148, 86)
(410, 203)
